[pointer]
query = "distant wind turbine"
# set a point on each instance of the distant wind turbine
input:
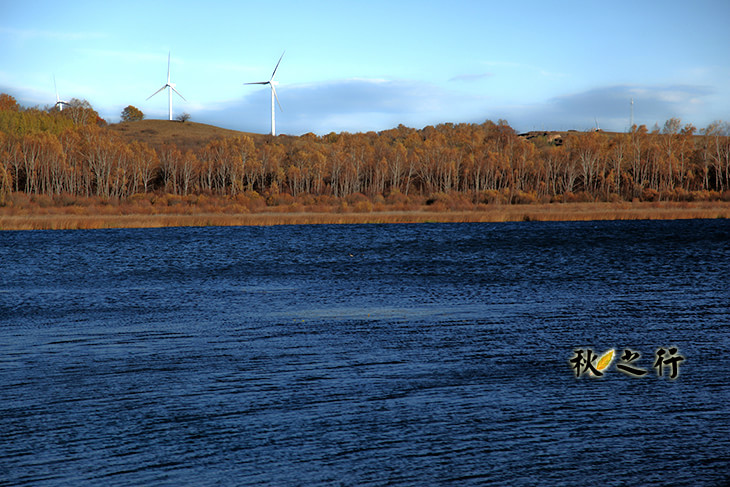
(274, 96)
(59, 103)
(170, 87)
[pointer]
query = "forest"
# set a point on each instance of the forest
(57, 156)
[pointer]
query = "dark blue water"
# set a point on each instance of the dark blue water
(364, 355)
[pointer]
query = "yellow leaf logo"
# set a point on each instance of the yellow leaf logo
(605, 361)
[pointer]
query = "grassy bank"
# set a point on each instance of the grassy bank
(92, 217)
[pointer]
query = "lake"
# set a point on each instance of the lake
(424, 354)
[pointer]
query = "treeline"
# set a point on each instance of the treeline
(71, 152)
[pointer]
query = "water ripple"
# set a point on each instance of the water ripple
(435, 354)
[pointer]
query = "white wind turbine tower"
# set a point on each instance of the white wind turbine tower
(170, 88)
(274, 96)
(59, 103)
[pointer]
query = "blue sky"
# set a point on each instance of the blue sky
(372, 65)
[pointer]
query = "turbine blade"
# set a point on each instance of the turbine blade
(258, 83)
(168, 67)
(273, 90)
(173, 89)
(277, 66)
(56, 88)
(153, 94)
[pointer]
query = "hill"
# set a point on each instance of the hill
(184, 135)
(194, 136)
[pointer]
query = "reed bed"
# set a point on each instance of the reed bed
(89, 218)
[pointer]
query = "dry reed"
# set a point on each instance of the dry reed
(94, 217)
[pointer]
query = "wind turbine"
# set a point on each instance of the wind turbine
(59, 103)
(170, 87)
(274, 96)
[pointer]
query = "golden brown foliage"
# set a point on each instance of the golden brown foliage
(151, 164)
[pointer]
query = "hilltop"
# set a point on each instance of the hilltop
(184, 135)
(194, 136)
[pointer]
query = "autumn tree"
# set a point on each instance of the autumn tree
(8, 103)
(718, 152)
(269, 170)
(52, 165)
(170, 161)
(239, 168)
(554, 161)
(6, 184)
(122, 176)
(618, 149)
(668, 161)
(101, 154)
(639, 143)
(82, 113)
(188, 172)
(211, 158)
(145, 164)
(132, 114)
(586, 148)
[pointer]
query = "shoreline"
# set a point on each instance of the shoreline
(59, 219)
